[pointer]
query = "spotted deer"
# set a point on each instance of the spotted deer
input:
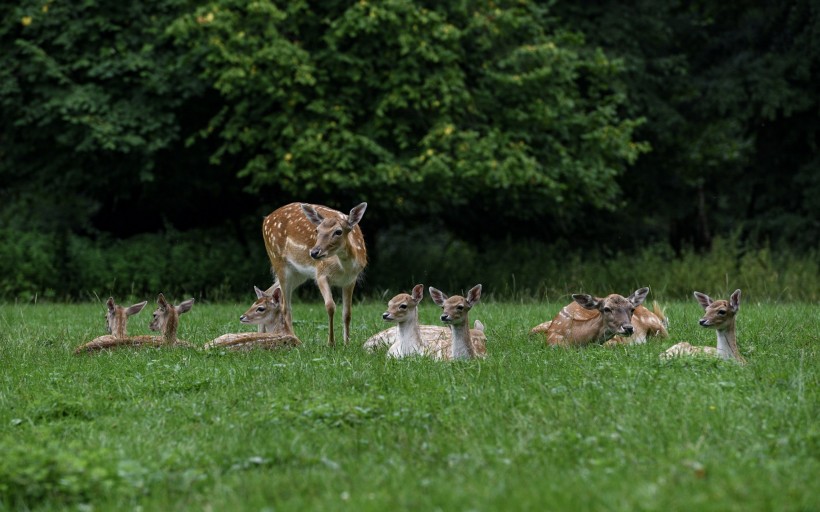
(165, 320)
(307, 241)
(597, 320)
(265, 312)
(720, 316)
(467, 343)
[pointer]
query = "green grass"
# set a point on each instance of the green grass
(314, 428)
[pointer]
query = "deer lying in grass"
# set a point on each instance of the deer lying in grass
(598, 320)
(720, 316)
(306, 241)
(265, 312)
(165, 320)
(467, 343)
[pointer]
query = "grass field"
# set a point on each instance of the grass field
(314, 428)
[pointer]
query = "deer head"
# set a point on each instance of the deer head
(719, 314)
(331, 232)
(166, 315)
(116, 317)
(403, 306)
(455, 308)
(266, 309)
(616, 311)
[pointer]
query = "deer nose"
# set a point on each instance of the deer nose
(386, 316)
(444, 318)
(243, 318)
(703, 322)
(314, 253)
(628, 330)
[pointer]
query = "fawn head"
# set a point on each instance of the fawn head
(166, 314)
(117, 316)
(455, 308)
(266, 309)
(616, 310)
(331, 232)
(719, 314)
(402, 306)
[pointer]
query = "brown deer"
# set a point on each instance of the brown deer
(720, 316)
(597, 320)
(467, 343)
(315, 242)
(165, 320)
(265, 312)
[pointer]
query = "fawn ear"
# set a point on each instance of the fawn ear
(586, 301)
(437, 296)
(474, 295)
(161, 301)
(418, 293)
(185, 306)
(356, 215)
(703, 299)
(259, 292)
(136, 308)
(638, 296)
(110, 303)
(276, 296)
(734, 301)
(312, 215)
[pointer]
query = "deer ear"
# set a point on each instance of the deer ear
(312, 215)
(586, 301)
(437, 296)
(474, 295)
(734, 300)
(703, 299)
(136, 308)
(110, 303)
(276, 295)
(356, 215)
(418, 293)
(186, 306)
(259, 292)
(161, 300)
(638, 296)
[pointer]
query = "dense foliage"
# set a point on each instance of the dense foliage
(586, 126)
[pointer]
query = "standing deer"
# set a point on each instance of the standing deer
(720, 316)
(265, 312)
(467, 343)
(311, 241)
(165, 319)
(596, 320)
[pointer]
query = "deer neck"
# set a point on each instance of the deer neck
(727, 344)
(169, 334)
(119, 328)
(410, 335)
(462, 343)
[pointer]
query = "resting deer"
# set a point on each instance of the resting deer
(165, 320)
(720, 316)
(310, 241)
(597, 320)
(265, 312)
(467, 343)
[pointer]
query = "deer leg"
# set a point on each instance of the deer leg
(330, 306)
(347, 304)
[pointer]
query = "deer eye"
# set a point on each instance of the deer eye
(459, 307)
(607, 309)
(403, 306)
(721, 312)
(260, 309)
(338, 232)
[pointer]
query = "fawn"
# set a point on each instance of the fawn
(467, 343)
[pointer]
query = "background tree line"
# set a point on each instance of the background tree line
(538, 146)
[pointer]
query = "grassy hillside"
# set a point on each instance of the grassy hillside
(314, 428)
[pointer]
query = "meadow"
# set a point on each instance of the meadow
(319, 428)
